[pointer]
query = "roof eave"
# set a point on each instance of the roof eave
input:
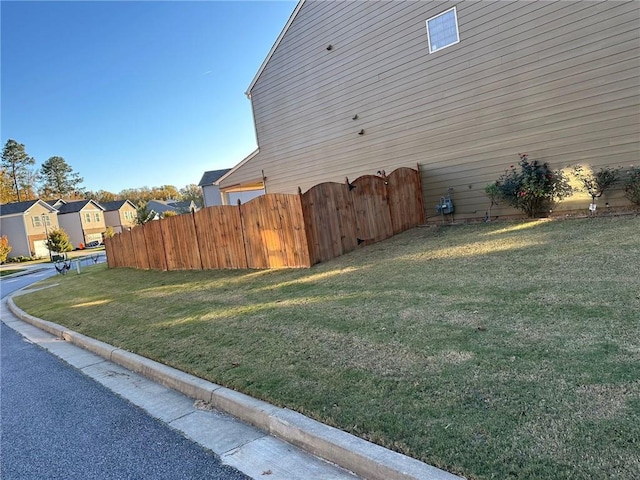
(273, 48)
(241, 163)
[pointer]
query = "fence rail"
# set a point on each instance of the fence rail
(277, 230)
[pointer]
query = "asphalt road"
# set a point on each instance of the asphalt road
(56, 423)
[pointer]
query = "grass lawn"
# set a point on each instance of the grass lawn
(500, 350)
(10, 271)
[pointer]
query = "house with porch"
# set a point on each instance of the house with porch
(27, 225)
(458, 88)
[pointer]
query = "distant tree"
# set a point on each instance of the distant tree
(16, 163)
(143, 214)
(192, 192)
(136, 195)
(7, 193)
(100, 196)
(28, 185)
(5, 248)
(58, 241)
(59, 179)
(165, 192)
(169, 213)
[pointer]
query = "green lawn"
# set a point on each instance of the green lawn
(10, 271)
(500, 350)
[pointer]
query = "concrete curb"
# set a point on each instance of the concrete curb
(352, 453)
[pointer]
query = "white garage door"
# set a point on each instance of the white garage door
(40, 248)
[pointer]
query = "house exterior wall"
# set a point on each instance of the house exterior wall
(36, 231)
(70, 223)
(93, 225)
(22, 231)
(15, 229)
(211, 195)
(231, 198)
(117, 219)
(557, 80)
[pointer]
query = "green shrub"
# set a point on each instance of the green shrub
(58, 241)
(632, 185)
(5, 248)
(533, 188)
(596, 183)
(493, 192)
(20, 259)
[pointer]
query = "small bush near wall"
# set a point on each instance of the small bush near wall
(632, 185)
(533, 188)
(596, 183)
(20, 259)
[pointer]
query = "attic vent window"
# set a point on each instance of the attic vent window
(442, 30)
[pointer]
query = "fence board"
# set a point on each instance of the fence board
(294, 235)
(155, 245)
(253, 222)
(128, 251)
(329, 220)
(405, 199)
(140, 248)
(110, 251)
(181, 243)
(373, 219)
(220, 237)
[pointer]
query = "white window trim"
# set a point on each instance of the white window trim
(455, 16)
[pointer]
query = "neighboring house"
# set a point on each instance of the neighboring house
(27, 225)
(119, 215)
(210, 189)
(83, 220)
(179, 207)
(458, 87)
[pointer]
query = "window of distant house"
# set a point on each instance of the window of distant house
(442, 30)
(128, 215)
(87, 217)
(47, 220)
(97, 216)
(36, 221)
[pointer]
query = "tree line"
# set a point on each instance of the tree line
(20, 180)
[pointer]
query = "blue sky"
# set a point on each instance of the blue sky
(134, 94)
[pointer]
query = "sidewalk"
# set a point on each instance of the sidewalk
(251, 435)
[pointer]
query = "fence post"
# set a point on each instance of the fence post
(195, 228)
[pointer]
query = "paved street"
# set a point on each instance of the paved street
(58, 423)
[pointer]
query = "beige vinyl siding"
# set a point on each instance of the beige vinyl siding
(558, 80)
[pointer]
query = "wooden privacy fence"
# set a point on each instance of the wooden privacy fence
(277, 230)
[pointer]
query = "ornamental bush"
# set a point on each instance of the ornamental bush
(597, 183)
(632, 185)
(533, 188)
(58, 241)
(5, 248)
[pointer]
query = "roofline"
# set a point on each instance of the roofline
(242, 162)
(115, 210)
(88, 202)
(275, 45)
(26, 210)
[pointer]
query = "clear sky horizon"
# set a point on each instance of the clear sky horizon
(134, 93)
